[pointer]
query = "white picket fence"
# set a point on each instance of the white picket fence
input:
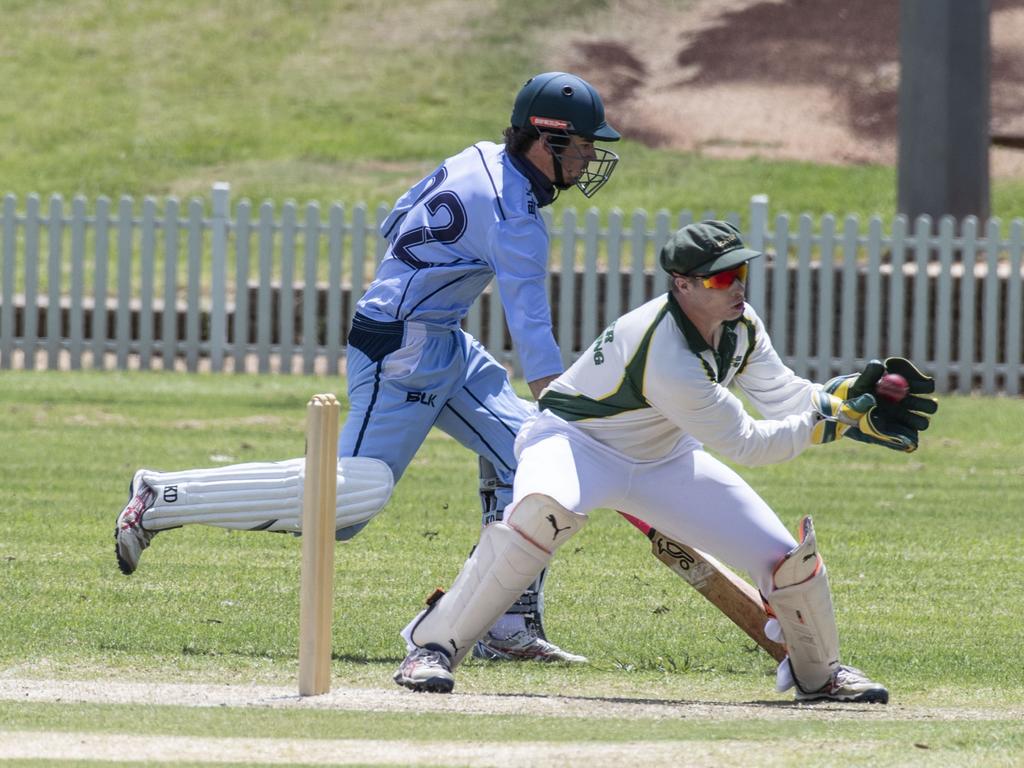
(272, 289)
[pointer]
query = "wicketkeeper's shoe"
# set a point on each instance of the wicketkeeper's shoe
(426, 669)
(847, 684)
(524, 645)
(129, 534)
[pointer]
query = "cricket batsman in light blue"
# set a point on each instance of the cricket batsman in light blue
(410, 366)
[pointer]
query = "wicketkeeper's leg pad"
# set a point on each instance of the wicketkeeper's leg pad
(802, 603)
(495, 493)
(263, 496)
(510, 555)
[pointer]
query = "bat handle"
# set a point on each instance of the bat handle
(644, 527)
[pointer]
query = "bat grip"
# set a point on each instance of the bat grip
(636, 521)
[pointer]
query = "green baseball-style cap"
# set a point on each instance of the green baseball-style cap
(704, 248)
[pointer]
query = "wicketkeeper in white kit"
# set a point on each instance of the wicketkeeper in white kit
(410, 366)
(626, 427)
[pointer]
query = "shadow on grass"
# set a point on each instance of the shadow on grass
(365, 659)
(651, 702)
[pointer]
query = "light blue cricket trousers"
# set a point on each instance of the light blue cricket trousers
(406, 377)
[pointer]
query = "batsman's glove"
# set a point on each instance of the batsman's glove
(893, 425)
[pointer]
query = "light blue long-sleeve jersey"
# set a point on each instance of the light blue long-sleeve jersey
(476, 217)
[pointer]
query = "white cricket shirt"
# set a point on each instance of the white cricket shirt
(650, 380)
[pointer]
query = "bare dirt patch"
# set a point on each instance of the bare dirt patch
(150, 748)
(814, 80)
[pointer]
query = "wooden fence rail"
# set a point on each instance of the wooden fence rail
(271, 288)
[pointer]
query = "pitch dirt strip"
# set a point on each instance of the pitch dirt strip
(375, 700)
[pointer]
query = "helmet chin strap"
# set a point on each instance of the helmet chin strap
(559, 181)
(556, 163)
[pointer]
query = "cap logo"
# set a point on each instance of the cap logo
(550, 122)
(721, 243)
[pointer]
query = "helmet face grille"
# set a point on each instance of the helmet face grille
(597, 172)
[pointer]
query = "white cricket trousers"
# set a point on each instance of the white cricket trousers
(688, 495)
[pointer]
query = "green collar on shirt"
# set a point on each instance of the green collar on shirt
(726, 344)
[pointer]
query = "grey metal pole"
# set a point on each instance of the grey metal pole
(944, 108)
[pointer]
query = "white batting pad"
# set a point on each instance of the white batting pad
(802, 603)
(262, 496)
(510, 555)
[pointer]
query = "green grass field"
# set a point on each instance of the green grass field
(341, 100)
(326, 100)
(923, 552)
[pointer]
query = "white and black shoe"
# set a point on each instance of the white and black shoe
(426, 669)
(847, 684)
(129, 534)
(524, 645)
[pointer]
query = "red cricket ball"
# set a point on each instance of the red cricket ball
(892, 387)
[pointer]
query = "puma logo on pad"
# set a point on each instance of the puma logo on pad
(554, 524)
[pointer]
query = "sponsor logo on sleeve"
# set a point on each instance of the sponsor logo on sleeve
(605, 338)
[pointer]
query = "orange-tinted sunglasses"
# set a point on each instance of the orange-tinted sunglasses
(722, 280)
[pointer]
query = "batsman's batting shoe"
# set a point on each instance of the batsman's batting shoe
(524, 645)
(847, 684)
(426, 669)
(129, 534)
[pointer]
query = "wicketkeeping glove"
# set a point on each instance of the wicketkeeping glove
(856, 384)
(893, 425)
(838, 417)
(918, 384)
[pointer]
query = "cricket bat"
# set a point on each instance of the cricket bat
(733, 596)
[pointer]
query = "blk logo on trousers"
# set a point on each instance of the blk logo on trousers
(421, 397)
